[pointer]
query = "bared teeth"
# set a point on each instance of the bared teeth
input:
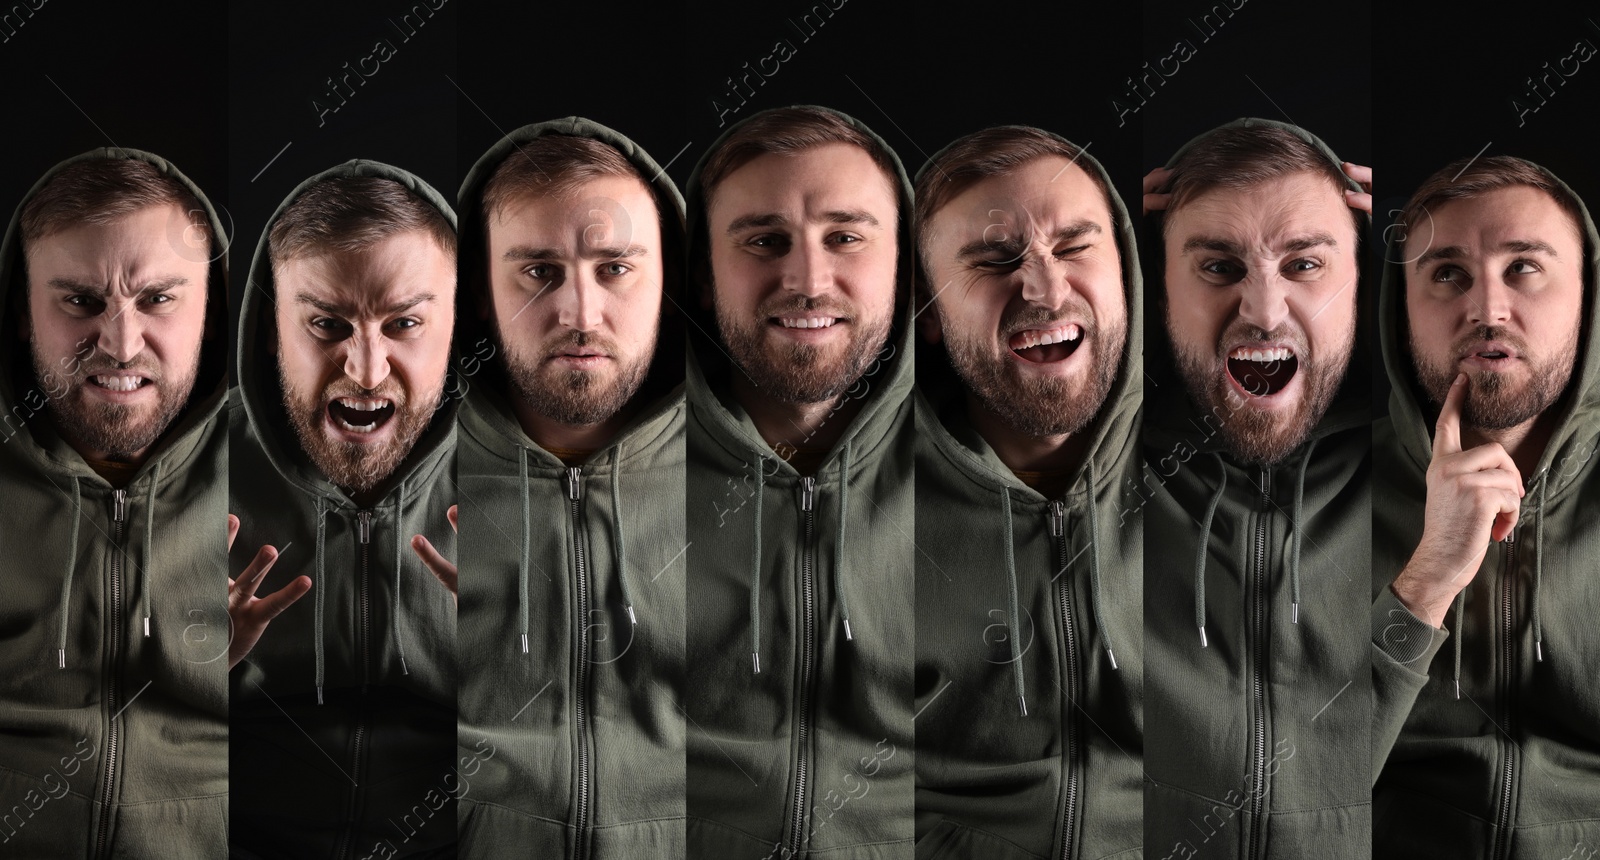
(118, 383)
(1276, 353)
(807, 322)
(362, 405)
(1045, 337)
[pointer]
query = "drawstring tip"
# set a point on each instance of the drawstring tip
(847, 633)
(319, 694)
(403, 669)
(1538, 651)
(147, 627)
(1458, 690)
(755, 656)
(1112, 657)
(524, 643)
(1203, 643)
(61, 659)
(1294, 612)
(631, 617)
(1023, 702)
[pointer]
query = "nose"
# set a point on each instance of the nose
(1044, 283)
(579, 302)
(1264, 300)
(808, 270)
(366, 360)
(122, 335)
(1489, 300)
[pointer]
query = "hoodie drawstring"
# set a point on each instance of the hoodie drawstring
(149, 540)
(1294, 552)
(1200, 551)
(616, 522)
(399, 512)
(1094, 569)
(1461, 602)
(522, 561)
(1538, 567)
(66, 582)
(318, 588)
(1015, 633)
(838, 546)
(755, 569)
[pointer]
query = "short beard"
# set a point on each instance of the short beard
(1253, 437)
(800, 372)
(576, 398)
(351, 465)
(1043, 406)
(113, 429)
(1492, 402)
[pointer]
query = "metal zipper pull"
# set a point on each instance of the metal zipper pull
(575, 483)
(119, 505)
(1057, 518)
(364, 526)
(808, 493)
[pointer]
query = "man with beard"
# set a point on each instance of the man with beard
(572, 456)
(343, 439)
(1027, 411)
(800, 493)
(1487, 296)
(1256, 499)
(113, 459)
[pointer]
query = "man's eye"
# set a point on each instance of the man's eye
(614, 270)
(1449, 275)
(1075, 249)
(1522, 267)
(766, 240)
(406, 323)
(1305, 264)
(159, 299)
(540, 272)
(1222, 268)
(1004, 264)
(846, 238)
(328, 324)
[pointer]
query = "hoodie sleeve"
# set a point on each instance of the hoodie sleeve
(1403, 646)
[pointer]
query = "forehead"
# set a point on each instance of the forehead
(154, 238)
(1260, 217)
(1504, 214)
(833, 176)
(607, 209)
(393, 268)
(1049, 190)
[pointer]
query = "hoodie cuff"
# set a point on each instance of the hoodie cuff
(1402, 636)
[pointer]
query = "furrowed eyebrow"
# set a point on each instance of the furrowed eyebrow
(1209, 243)
(1313, 240)
(775, 219)
(1014, 245)
(67, 285)
(343, 311)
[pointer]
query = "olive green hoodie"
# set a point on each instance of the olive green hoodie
(1258, 700)
(1062, 780)
(113, 703)
(344, 713)
(570, 711)
(1510, 768)
(800, 627)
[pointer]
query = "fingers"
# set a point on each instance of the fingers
(1489, 457)
(1359, 200)
(1362, 175)
(1447, 431)
(271, 606)
(1503, 524)
(1153, 202)
(452, 515)
(437, 564)
(233, 530)
(242, 589)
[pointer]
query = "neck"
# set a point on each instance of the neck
(134, 459)
(809, 426)
(1525, 442)
(578, 437)
(1019, 451)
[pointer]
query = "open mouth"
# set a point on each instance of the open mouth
(1043, 346)
(119, 382)
(1263, 372)
(360, 414)
(1489, 353)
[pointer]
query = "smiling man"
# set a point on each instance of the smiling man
(113, 475)
(800, 493)
(572, 453)
(343, 705)
(1027, 413)
(1486, 308)
(1255, 492)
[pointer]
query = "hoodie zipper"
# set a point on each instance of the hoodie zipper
(1502, 837)
(119, 517)
(808, 623)
(364, 539)
(580, 699)
(1069, 714)
(1258, 647)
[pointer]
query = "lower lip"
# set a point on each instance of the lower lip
(580, 362)
(147, 389)
(1059, 367)
(809, 335)
(1478, 362)
(1279, 399)
(338, 431)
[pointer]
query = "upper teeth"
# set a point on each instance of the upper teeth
(1277, 353)
(806, 322)
(118, 383)
(1046, 337)
(362, 405)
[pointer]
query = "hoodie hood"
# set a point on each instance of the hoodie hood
(710, 362)
(1174, 419)
(659, 399)
(259, 388)
(21, 394)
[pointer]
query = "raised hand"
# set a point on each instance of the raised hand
(249, 614)
(436, 563)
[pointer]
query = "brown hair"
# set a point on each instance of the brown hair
(555, 165)
(983, 155)
(1466, 178)
(1245, 156)
(350, 213)
(788, 131)
(104, 190)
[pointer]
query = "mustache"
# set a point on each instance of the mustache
(1485, 332)
(1030, 316)
(1242, 332)
(147, 369)
(791, 304)
(578, 339)
(345, 387)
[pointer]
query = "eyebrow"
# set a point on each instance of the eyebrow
(526, 254)
(67, 285)
(1074, 230)
(774, 219)
(338, 310)
(1515, 246)
(1224, 246)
